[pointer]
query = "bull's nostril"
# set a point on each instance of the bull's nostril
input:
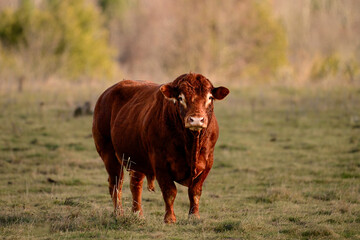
(196, 121)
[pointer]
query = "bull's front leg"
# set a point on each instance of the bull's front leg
(169, 191)
(194, 192)
(204, 164)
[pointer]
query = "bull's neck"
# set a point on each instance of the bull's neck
(192, 141)
(194, 156)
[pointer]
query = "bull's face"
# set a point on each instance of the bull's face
(193, 96)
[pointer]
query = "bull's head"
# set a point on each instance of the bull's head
(193, 94)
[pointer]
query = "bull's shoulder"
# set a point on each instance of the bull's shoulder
(213, 130)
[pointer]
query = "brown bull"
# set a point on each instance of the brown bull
(167, 132)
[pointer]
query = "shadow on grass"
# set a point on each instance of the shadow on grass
(228, 226)
(8, 220)
(76, 221)
(318, 232)
(323, 196)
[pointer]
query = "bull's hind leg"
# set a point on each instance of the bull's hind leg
(136, 183)
(150, 183)
(115, 190)
(116, 178)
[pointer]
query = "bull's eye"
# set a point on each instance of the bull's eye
(182, 100)
(211, 98)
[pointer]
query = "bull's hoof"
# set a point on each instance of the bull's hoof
(151, 185)
(170, 219)
(194, 216)
(139, 214)
(151, 188)
(118, 212)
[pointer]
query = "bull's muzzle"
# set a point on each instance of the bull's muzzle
(195, 123)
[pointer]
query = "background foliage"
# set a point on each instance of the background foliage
(233, 41)
(65, 39)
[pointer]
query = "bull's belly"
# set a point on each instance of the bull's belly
(185, 182)
(134, 161)
(129, 146)
(180, 170)
(129, 150)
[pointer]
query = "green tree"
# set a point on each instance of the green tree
(61, 38)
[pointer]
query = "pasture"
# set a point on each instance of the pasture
(287, 166)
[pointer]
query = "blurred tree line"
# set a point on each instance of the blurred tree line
(323, 37)
(231, 41)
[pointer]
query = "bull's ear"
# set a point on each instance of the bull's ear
(220, 92)
(168, 91)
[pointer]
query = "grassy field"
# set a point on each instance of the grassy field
(287, 166)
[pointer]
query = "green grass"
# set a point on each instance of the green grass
(287, 166)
